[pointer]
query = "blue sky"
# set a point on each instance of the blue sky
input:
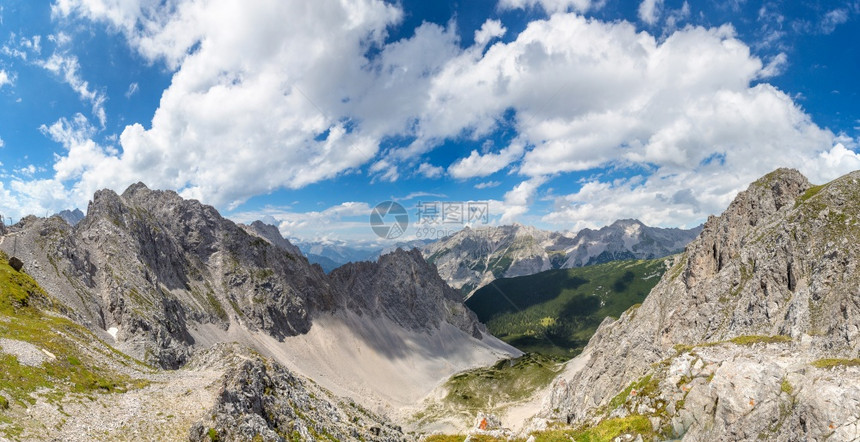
(559, 113)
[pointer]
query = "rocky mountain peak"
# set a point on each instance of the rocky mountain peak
(627, 223)
(722, 236)
(406, 289)
(271, 234)
(104, 202)
(151, 266)
(765, 196)
(135, 188)
(72, 217)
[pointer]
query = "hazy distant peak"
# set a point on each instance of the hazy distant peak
(73, 217)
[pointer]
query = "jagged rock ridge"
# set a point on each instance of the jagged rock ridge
(163, 279)
(271, 234)
(731, 343)
(146, 265)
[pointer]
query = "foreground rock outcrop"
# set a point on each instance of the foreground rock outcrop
(258, 398)
(753, 333)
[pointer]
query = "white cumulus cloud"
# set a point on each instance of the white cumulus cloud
(260, 96)
(489, 30)
(430, 171)
(478, 165)
(258, 103)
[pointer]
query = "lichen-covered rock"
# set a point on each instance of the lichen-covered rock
(778, 271)
(16, 263)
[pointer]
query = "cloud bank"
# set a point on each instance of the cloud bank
(282, 94)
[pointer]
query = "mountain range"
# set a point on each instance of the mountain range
(471, 258)
(156, 318)
(163, 279)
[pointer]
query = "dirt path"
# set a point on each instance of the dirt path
(164, 410)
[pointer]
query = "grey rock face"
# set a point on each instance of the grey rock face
(403, 287)
(149, 262)
(262, 400)
(777, 271)
(471, 258)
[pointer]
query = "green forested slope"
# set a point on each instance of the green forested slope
(556, 312)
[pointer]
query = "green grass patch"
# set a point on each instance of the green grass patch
(811, 192)
(606, 430)
(740, 340)
(678, 267)
(556, 312)
(509, 380)
(834, 362)
(70, 369)
(645, 386)
(263, 274)
(216, 305)
(501, 265)
(757, 339)
(786, 387)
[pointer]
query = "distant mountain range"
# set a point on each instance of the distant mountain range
(332, 254)
(471, 258)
